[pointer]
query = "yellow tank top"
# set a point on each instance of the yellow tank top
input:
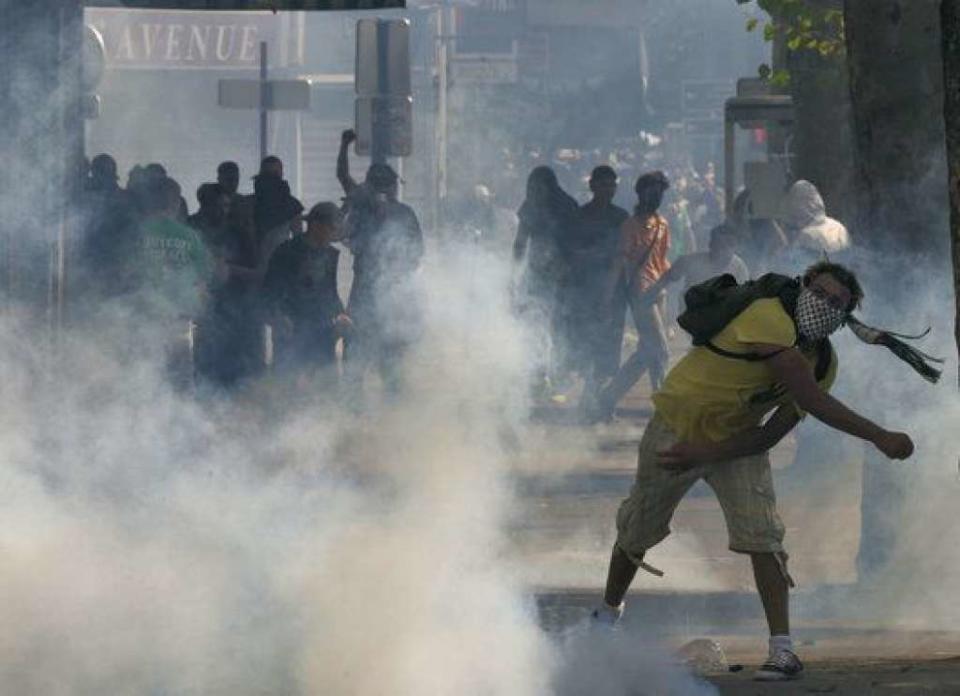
(708, 397)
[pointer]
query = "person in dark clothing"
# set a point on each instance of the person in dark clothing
(138, 187)
(210, 222)
(541, 248)
(228, 176)
(596, 329)
(302, 296)
(110, 243)
(240, 222)
(386, 241)
(211, 219)
(103, 174)
(230, 335)
(276, 213)
(155, 174)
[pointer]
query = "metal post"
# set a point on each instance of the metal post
(298, 152)
(378, 149)
(263, 100)
(729, 166)
(442, 95)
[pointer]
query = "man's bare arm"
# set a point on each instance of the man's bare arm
(793, 370)
(686, 455)
(343, 162)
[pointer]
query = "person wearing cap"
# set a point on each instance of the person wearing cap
(301, 292)
(386, 241)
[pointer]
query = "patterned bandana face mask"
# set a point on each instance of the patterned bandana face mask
(816, 318)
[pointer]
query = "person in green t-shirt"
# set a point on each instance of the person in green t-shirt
(175, 265)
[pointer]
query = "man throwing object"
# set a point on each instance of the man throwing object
(710, 422)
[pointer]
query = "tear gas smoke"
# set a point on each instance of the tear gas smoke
(155, 543)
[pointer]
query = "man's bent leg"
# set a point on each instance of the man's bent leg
(643, 519)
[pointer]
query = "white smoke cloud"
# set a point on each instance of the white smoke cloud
(159, 543)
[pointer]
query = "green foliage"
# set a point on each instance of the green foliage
(777, 78)
(803, 26)
(780, 78)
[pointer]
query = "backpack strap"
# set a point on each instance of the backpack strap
(749, 357)
(821, 368)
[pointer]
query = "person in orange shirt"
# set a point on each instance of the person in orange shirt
(644, 242)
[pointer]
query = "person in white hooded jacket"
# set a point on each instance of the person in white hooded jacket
(804, 217)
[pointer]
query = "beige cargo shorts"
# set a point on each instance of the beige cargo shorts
(744, 488)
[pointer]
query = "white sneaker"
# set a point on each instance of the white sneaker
(782, 666)
(605, 615)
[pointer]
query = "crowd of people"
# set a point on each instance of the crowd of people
(586, 267)
(256, 275)
(252, 280)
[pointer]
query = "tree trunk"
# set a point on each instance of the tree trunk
(950, 30)
(896, 86)
(823, 142)
(822, 138)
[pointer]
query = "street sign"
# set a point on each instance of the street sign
(167, 40)
(392, 117)
(279, 95)
(264, 95)
(383, 57)
(251, 4)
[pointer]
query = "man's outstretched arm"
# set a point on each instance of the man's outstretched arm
(794, 371)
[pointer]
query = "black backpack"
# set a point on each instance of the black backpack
(714, 303)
